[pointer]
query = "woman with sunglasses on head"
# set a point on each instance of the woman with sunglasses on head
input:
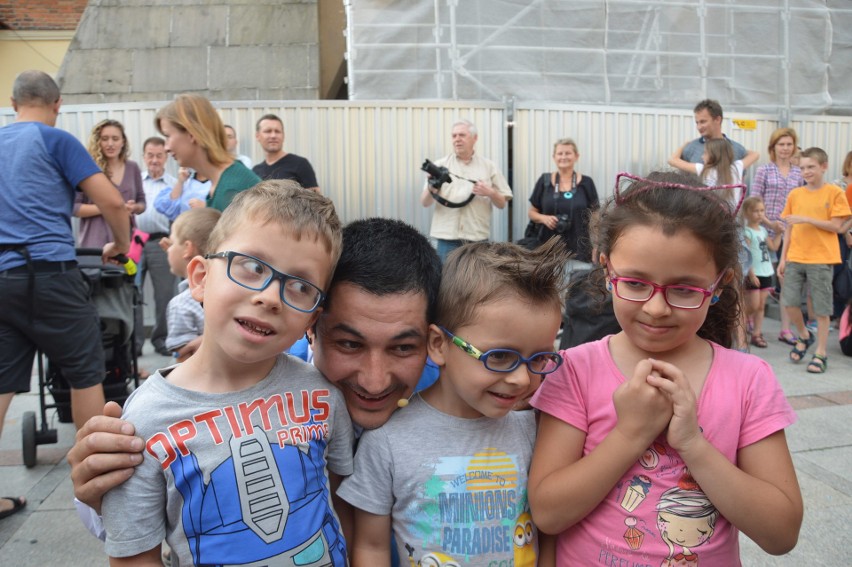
(195, 136)
(108, 147)
(656, 445)
(562, 202)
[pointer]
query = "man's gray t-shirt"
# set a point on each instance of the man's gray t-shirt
(235, 477)
(693, 152)
(456, 488)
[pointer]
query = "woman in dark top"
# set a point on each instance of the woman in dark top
(562, 202)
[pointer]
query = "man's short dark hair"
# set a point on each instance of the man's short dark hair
(387, 256)
(33, 88)
(154, 140)
(268, 117)
(711, 106)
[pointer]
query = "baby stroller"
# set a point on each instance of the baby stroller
(114, 294)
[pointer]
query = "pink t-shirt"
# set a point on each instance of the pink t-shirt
(740, 404)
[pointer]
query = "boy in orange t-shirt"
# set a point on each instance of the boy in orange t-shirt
(814, 214)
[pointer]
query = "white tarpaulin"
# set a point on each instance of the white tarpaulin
(768, 56)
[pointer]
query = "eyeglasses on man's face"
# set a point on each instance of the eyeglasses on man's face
(676, 295)
(506, 359)
(255, 274)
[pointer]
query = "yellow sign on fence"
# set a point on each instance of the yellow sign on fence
(745, 123)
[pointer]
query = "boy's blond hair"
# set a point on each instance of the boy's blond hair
(303, 212)
(484, 272)
(196, 226)
(816, 153)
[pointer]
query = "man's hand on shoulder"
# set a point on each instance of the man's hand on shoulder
(103, 456)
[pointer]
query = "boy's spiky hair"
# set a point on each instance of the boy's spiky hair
(482, 272)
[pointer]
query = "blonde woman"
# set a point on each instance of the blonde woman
(562, 202)
(772, 182)
(108, 147)
(195, 136)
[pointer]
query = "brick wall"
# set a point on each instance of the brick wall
(41, 14)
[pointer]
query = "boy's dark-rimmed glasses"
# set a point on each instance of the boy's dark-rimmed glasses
(506, 359)
(678, 296)
(255, 274)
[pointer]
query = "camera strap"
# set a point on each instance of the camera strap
(450, 204)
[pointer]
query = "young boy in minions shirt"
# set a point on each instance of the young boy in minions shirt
(457, 495)
(240, 440)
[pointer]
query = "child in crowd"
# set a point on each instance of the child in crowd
(814, 214)
(185, 316)
(189, 192)
(449, 472)
(657, 444)
(240, 439)
(719, 167)
(758, 279)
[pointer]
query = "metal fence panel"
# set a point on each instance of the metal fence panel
(367, 155)
(831, 133)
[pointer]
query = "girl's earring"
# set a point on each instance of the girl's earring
(714, 300)
(609, 286)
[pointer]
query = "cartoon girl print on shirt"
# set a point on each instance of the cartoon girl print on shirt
(686, 519)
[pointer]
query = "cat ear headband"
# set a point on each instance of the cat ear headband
(644, 184)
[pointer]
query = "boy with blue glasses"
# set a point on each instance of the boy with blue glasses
(242, 443)
(449, 472)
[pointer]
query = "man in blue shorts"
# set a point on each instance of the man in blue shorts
(46, 305)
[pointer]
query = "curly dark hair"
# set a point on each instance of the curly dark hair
(657, 201)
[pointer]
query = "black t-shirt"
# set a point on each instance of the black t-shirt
(549, 201)
(290, 166)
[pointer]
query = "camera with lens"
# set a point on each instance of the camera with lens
(563, 224)
(439, 174)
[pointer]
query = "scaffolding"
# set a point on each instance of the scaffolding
(768, 56)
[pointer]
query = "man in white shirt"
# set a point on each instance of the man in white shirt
(463, 210)
(154, 260)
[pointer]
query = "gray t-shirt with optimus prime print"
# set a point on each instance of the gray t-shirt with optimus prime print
(236, 478)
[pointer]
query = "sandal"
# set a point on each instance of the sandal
(18, 502)
(787, 336)
(818, 364)
(797, 354)
(758, 341)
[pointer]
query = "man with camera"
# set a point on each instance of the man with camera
(465, 186)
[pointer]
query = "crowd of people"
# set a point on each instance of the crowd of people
(241, 452)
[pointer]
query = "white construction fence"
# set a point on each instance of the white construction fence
(367, 155)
